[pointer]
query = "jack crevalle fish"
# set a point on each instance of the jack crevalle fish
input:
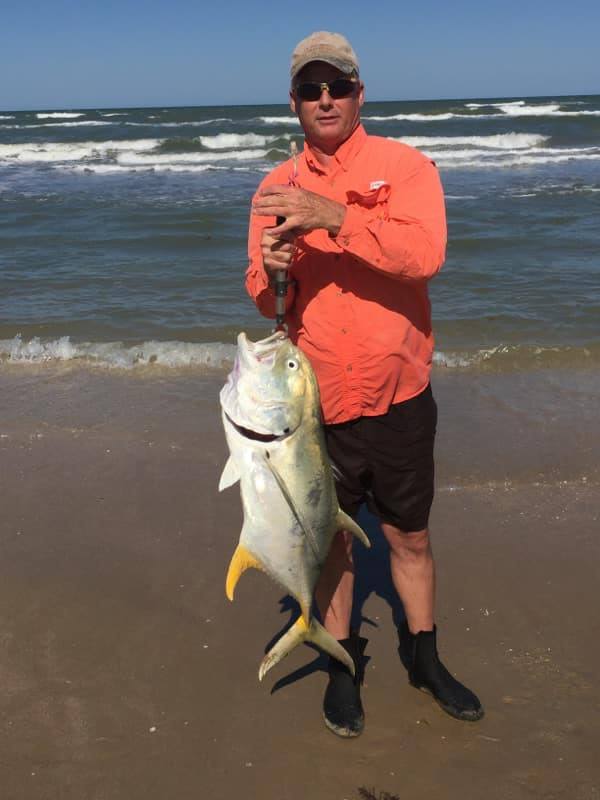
(271, 414)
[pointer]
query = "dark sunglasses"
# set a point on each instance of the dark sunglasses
(340, 87)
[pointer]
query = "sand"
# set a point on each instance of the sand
(126, 674)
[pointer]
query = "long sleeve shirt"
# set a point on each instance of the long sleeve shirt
(360, 309)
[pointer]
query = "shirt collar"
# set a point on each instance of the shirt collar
(343, 156)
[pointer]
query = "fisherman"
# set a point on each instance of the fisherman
(363, 231)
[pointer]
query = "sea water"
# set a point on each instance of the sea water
(123, 231)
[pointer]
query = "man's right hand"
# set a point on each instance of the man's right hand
(277, 252)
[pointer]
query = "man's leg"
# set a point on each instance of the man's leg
(342, 707)
(335, 588)
(413, 574)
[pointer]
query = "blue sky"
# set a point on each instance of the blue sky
(68, 54)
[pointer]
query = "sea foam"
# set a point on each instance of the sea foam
(223, 141)
(60, 115)
(116, 354)
(502, 141)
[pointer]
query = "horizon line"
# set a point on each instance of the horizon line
(283, 103)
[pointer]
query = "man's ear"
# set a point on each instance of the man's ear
(293, 102)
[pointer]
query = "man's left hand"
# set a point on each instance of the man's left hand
(303, 210)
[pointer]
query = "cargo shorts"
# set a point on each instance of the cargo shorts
(387, 462)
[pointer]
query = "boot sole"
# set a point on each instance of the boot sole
(343, 733)
(463, 716)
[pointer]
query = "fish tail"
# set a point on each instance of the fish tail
(303, 631)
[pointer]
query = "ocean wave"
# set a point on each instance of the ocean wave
(194, 123)
(115, 114)
(114, 169)
(508, 357)
(78, 124)
(279, 120)
(417, 117)
(222, 141)
(7, 116)
(512, 158)
(178, 355)
(503, 141)
(117, 355)
(505, 109)
(495, 105)
(60, 115)
(133, 159)
(50, 152)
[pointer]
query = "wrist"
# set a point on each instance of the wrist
(336, 219)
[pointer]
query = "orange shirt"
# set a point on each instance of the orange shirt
(360, 309)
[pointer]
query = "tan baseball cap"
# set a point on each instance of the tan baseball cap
(333, 48)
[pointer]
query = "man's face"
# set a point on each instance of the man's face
(326, 122)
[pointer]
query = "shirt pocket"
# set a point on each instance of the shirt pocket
(372, 197)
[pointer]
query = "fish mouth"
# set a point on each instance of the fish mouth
(247, 433)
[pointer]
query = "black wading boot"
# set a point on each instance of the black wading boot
(342, 708)
(418, 652)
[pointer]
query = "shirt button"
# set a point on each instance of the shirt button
(344, 330)
(349, 368)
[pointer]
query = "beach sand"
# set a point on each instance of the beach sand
(126, 674)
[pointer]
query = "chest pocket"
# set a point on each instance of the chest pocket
(373, 197)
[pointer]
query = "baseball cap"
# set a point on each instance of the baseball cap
(333, 48)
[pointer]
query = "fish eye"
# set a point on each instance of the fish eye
(292, 364)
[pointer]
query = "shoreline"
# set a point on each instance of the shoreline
(127, 674)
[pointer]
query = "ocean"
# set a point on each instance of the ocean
(123, 231)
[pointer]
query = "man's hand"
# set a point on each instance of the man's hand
(277, 251)
(303, 211)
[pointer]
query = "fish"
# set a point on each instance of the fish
(272, 419)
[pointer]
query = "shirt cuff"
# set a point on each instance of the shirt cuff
(354, 222)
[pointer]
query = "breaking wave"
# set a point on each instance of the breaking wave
(177, 355)
(60, 115)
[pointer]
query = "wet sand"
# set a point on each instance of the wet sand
(127, 674)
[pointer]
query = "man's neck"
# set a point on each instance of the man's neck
(325, 151)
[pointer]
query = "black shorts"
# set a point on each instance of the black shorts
(387, 462)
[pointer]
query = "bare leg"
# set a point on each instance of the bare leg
(335, 588)
(413, 574)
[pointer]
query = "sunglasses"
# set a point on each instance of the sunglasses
(340, 87)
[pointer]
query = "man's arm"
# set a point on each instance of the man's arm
(409, 244)
(258, 275)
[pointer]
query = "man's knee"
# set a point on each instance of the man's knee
(414, 544)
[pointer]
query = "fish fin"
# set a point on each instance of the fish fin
(241, 560)
(310, 537)
(230, 474)
(346, 523)
(303, 631)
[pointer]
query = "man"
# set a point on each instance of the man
(363, 231)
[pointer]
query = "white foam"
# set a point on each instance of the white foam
(227, 140)
(418, 117)
(180, 124)
(40, 152)
(79, 123)
(279, 120)
(495, 105)
(528, 111)
(60, 115)
(516, 109)
(4, 116)
(132, 159)
(116, 354)
(116, 114)
(481, 158)
(504, 141)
